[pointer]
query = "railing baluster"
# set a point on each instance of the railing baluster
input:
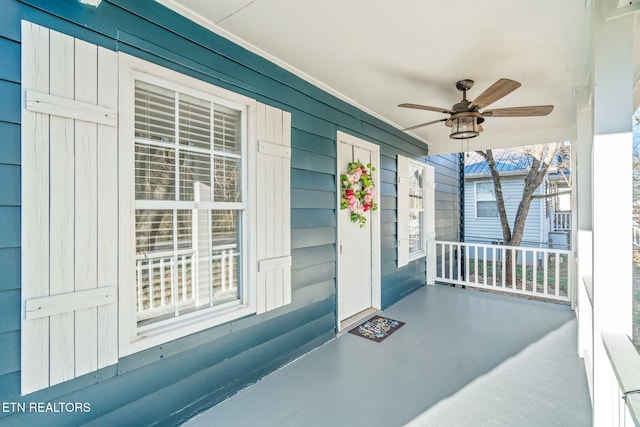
(162, 280)
(140, 285)
(210, 264)
(153, 285)
(223, 271)
(189, 280)
(437, 250)
(212, 284)
(493, 266)
(184, 276)
(514, 257)
(557, 287)
(450, 260)
(484, 265)
(162, 290)
(503, 267)
(545, 276)
(459, 262)
(174, 274)
(231, 256)
(476, 264)
(524, 270)
(534, 281)
(442, 260)
(570, 285)
(466, 263)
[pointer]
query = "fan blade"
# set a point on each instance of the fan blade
(499, 89)
(426, 107)
(533, 110)
(425, 124)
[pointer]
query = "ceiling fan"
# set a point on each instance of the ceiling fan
(465, 117)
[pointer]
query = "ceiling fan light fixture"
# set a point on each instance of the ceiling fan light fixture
(464, 126)
(465, 116)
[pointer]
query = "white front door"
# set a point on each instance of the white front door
(356, 263)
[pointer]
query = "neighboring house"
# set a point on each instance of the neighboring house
(544, 227)
(169, 226)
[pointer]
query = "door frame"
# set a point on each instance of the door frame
(376, 285)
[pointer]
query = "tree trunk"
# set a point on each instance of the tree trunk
(538, 168)
(497, 185)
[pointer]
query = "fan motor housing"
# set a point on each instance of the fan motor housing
(464, 84)
(477, 115)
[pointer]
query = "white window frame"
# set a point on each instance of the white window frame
(423, 241)
(131, 338)
(475, 200)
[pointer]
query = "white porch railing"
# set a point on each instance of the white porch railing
(561, 221)
(163, 281)
(620, 403)
(544, 273)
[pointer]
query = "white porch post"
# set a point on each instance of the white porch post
(611, 196)
(581, 164)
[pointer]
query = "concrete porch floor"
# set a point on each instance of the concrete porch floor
(464, 358)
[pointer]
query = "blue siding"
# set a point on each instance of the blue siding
(310, 180)
(486, 230)
(302, 238)
(10, 105)
(10, 228)
(10, 309)
(10, 179)
(10, 143)
(10, 69)
(447, 199)
(10, 268)
(314, 143)
(306, 160)
(173, 381)
(10, 352)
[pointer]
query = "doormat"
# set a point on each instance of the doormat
(377, 328)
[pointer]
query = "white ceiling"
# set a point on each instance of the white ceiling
(380, 53)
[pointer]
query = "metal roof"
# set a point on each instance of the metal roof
(509, 160)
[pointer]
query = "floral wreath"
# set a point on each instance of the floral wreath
(357, 191)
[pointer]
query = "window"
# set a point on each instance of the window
(416, 210)
(203, 241)
(189, 202)
(486, 205)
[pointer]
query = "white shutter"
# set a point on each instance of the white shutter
(273, 208)
(69, 208)
(429, 202)
(430, 221)
(402, 232)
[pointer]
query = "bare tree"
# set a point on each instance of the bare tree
(539, 159)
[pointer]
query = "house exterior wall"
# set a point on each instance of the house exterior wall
(175, 380)
(487, 230)
(447, 171)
